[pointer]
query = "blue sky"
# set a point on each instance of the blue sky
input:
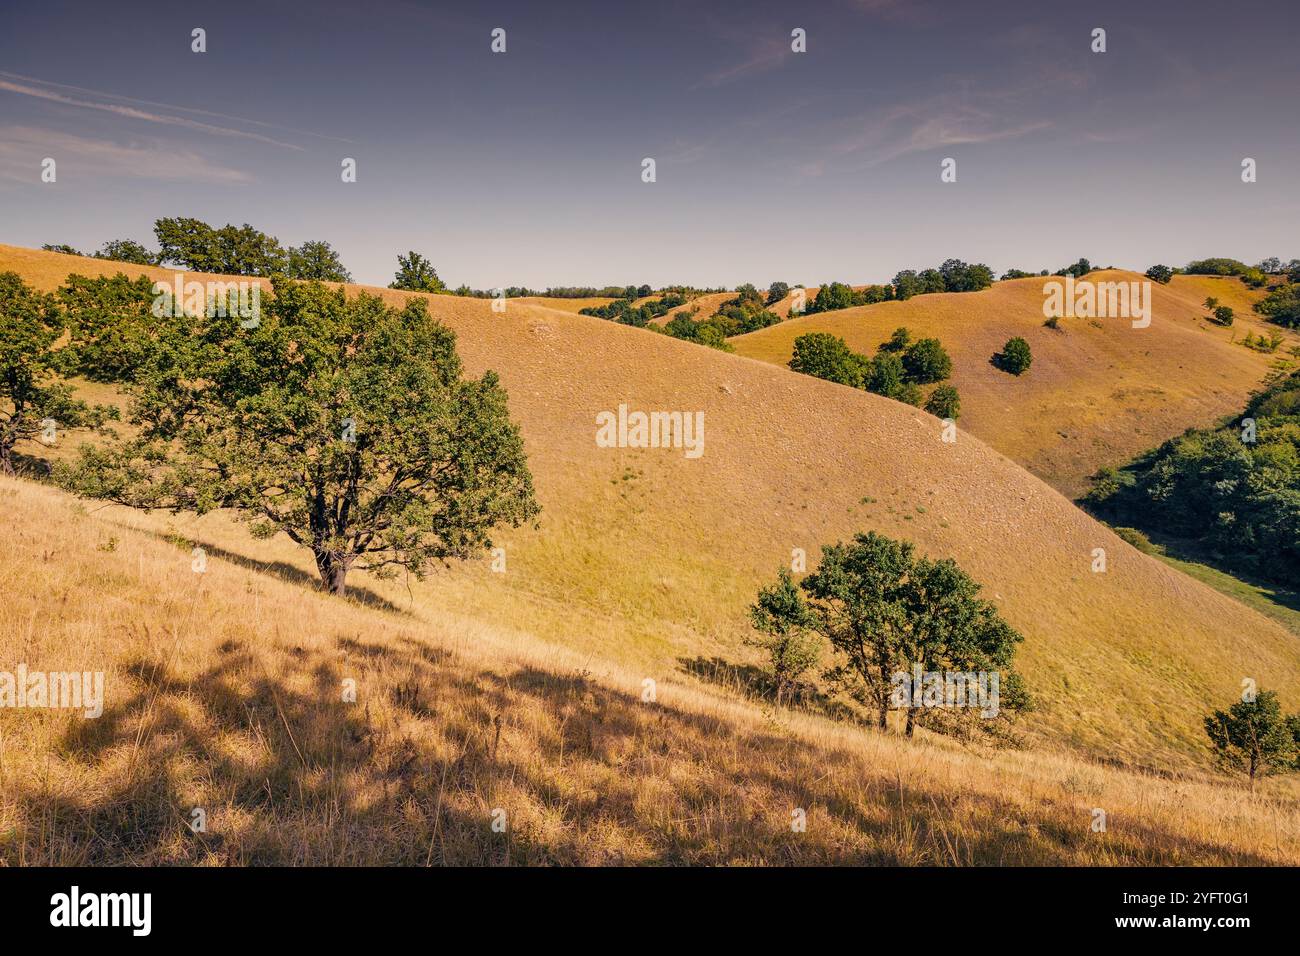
(524, 168)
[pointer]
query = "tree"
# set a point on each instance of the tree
(886, 376)
(1223, 315)
(316, 260)
(906, 284)
(1282, 305)
(898, 341)
(344, 423)
(827, 356)
(785, 626)
(230, 250)
(32, 402)
(1210, 303)
(1078, 270)
(944, 402)
(1015, 356)
(883, 609)
(109, 321)
(1255, 738)
(776, 292)
(128, 250)
(1160, 273)
(61, 248)
(926, 362)
(416, 274)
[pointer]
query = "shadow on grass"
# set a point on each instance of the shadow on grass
(288, 772)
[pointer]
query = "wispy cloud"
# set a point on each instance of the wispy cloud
(132, 112)
(23, 147)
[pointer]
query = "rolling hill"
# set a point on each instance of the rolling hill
(648, 559)
(1099, 391)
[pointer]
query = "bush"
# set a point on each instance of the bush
(944, 402)
(1015, 356)
(827, 356)
(1161, 274)
(926, 362)
(1223, 315)
(1282, 305)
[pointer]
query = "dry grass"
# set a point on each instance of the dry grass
(223, 692)
(644, 560)
(1099, 392)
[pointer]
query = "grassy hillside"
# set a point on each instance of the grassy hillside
(647, 559)
(1099, 391)
(223, 693)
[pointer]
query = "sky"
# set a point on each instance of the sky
(525, 167)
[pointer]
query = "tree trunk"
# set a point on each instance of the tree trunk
(333, 572)
(6, 459)
(911, 714)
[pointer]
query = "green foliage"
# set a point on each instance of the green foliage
(61, 248)
(416, 274)
(898, 341)
(128, 250)
(1216, 267)
(625, 313)
(1254, 738)
(316, 260)
(883, 609)
(837, 295)
(31, 361)
(828, 356)
(1078, 269)
(953, 276)
(1015, 356)
(785, 626)
(230, 250)
(1160, 273)
(944, 402)
(776, 292)
(344, 423)
(1017, 274)
(109, 321)
(1282, 305)
(1223, 315)
(926, 362)
(1238, 499)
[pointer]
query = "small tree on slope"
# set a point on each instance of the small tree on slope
(344, 423)
(1255, 738)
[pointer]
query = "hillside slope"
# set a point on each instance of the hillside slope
(223, 693)
(1099, 391)
(649, 559)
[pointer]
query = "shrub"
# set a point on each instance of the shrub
(827, 356)
(944, 402)
(1161, 274)
(1282, 305)
(1223, 315)
(926, 362)
(1015, 356)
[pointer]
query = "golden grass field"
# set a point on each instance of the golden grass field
(224, 686)
(1099, 391)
